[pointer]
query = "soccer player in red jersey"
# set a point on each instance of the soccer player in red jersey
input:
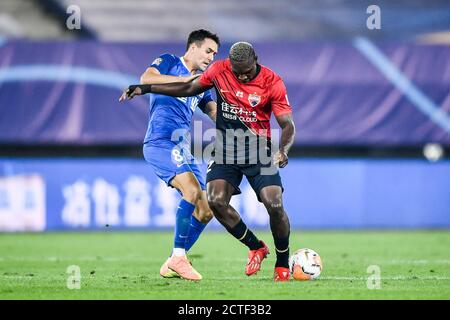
(247, 94)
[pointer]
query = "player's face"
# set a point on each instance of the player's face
(204, 54)
(244, 71)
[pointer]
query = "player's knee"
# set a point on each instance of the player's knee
(274, 207)
(192, 194)
(205, 216)
(216, 203)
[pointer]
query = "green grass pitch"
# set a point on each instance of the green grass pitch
(125, 265)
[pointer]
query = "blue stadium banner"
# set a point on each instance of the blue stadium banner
(100, 194)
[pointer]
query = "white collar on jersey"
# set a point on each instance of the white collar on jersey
(184, 64)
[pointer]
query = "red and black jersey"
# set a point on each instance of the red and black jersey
(246, 106)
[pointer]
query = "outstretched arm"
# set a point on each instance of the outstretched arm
(178, 89)
(153, 76)
(287, 139)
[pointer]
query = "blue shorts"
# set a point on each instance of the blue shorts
(167, 160)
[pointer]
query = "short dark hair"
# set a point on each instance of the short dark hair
(242, 51)
(200, 36)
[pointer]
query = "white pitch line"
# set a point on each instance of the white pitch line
(396, 278)
(398, 261)
(333, 278)
(150, 260)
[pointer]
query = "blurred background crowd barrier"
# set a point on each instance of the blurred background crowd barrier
(371, 104)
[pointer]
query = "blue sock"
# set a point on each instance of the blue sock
(196, 227)
(183, 219)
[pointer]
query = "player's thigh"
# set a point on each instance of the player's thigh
(219, 192)
(270, 182)
(272, 197)
(198, 174)
(222, 181)
(188, 185)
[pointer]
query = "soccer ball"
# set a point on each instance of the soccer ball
(305, 264)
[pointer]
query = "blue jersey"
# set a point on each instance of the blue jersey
(171, 113)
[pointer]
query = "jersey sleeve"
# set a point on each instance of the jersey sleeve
(207, 97)
(207, 78)
(280, 102)
(164, 63)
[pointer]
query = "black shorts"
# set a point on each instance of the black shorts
(233, 173)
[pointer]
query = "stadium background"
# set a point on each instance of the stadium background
(366, 103)
(372, 110)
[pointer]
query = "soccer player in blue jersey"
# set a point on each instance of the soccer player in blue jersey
(167, 146)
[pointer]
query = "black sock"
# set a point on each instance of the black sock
(282, 250)
(245, 235)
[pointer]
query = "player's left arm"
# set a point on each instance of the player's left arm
(287, 139)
